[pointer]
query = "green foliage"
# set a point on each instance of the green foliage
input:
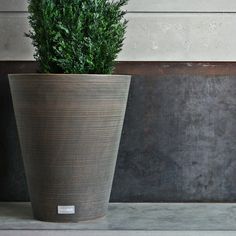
(77, 36)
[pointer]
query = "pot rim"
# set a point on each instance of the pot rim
(84, 75)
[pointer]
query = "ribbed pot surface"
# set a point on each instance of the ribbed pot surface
(69, 128)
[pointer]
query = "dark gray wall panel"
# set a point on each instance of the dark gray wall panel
(12, 178)
(179, 140)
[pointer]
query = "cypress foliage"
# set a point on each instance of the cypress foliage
(77, 36)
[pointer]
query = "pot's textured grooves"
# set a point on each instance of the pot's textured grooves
(69, 128)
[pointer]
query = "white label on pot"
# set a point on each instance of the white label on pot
(66, 210)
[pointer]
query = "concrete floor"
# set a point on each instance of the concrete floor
(164, 219)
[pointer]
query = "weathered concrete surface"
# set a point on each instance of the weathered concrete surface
(180, 6)
(179, 140)
(131, 216)
(115, 233)
(149, 5)
(150, 37)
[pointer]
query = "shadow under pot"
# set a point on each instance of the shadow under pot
(69, 128)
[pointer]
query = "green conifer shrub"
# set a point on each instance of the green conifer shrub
(77, 36)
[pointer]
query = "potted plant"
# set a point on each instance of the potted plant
(70, 116)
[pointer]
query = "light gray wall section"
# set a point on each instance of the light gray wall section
(180, 37)
(163, 30)
(150, 5)
(14, 45)
(182, 5)
(13, 5)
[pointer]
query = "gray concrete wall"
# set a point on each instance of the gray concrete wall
(179, 140)
(163, 30)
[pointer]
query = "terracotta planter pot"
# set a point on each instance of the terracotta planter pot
(69, 128)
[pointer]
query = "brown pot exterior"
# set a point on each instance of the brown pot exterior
(69, 128)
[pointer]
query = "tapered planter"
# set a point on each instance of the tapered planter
(69, 128)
